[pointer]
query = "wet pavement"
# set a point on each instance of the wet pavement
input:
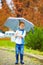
(8, 58)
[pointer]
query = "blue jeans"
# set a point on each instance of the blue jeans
(20, 48)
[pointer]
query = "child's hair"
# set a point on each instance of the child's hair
(21, 23)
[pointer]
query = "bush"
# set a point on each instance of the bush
(35, 40)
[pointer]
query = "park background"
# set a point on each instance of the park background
(31, 10)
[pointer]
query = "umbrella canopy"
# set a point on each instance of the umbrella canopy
(13, 23)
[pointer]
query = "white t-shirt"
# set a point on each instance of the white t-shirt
(18, 40)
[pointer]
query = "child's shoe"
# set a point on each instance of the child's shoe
(21, 59)
(22, 62)
(16, 59)
(16, 62)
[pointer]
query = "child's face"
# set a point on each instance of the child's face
(22, 26)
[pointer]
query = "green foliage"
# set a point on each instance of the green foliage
(35, 40)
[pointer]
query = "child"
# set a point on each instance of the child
(20, 34)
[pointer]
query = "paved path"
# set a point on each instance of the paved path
(8, 58)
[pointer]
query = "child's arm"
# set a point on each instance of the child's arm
(22, 36)
(16, 33)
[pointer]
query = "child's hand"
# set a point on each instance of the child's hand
(16, 34)
(20, 36)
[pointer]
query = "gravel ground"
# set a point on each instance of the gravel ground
(8, 58)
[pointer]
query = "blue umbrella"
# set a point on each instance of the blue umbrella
(13, 23)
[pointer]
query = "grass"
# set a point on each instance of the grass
(31, 51)
(11, 45)
(7, 44)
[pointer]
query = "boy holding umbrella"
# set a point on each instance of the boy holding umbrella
(19, 35)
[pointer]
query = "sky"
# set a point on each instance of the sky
(0, 5)
(9, 3)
